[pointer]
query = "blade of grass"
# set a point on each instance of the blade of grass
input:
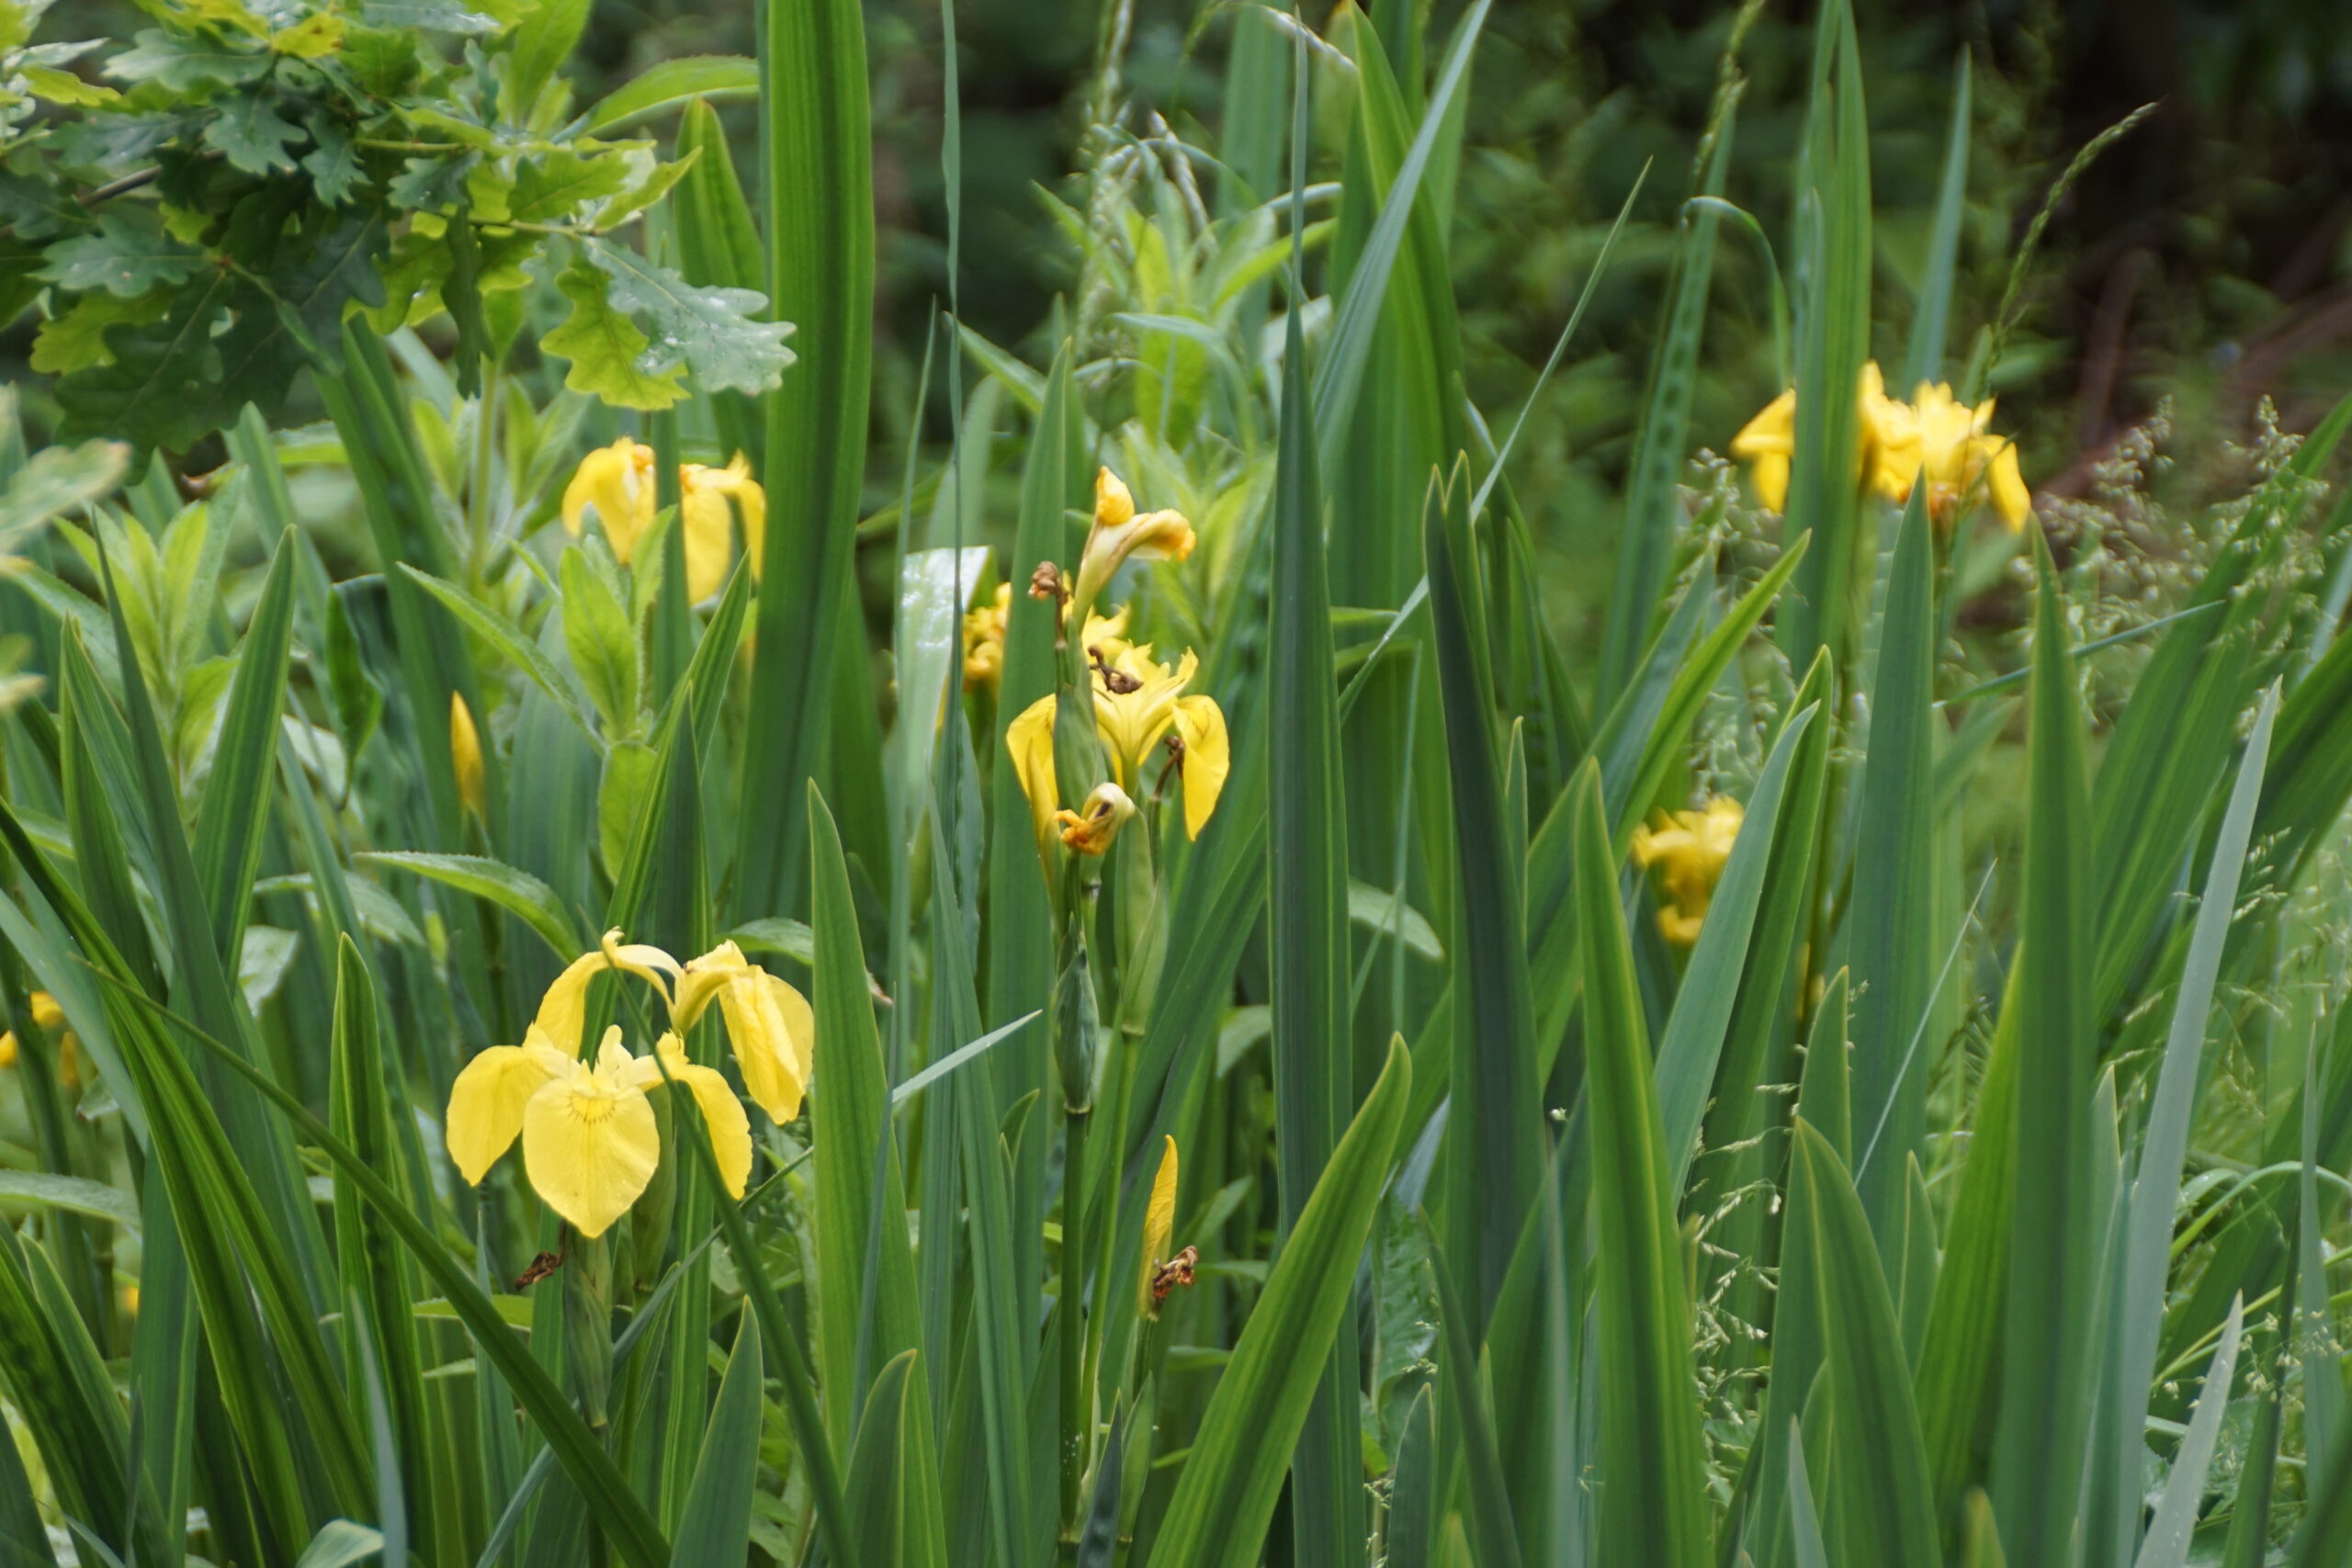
(1891, 920)
(1692, 1045)
(1931, 316)
(1224, 1499)
(819, 210)
(1307, 906)
(1882, 1504)
(1653, 1506)
(1661, 446)
(2044, 1407)
(1496, 1139)
(2155, 1187)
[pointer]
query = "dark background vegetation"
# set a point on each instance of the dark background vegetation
(2206, 259)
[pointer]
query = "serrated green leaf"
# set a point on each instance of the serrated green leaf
(551, 186)
(123, 257)
(609, 353)
(340, 268)
(160, 390)
(185, 62)
(717, 332)
(253, 136)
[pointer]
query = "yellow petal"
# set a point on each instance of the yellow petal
(1029, 740)
(702, 980)
(2010, 497)
(772, 1029)
(563, 1012)
(710, 540)
(1770, 473)
(486, 1105)
(730, 1130)
(1159, 1215)
(8, 1049)
(465, 756)
(1209, 758)
(647, 962)
(590, 1146)
(753, 503)
(1772, 431)
(1113, 504)
(617, 480)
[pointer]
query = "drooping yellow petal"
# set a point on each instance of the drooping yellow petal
(617, 480)
(486, 1104)
(2010, 498)
(1773, 430)
(1029, 739)
(710, 540)
(465, 756)
(722, 1114)
(773, 1030)
(751, 500)
(591, 1142)
(1209, 758)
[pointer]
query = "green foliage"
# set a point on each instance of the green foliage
(2002, 1091)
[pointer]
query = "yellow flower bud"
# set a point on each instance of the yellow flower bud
(465, 757)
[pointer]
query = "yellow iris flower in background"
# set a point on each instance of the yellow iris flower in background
(1137, 702)
(1767, 442)
(617, 482)
(1692, 848)
(49, 1018)
(590, 1139)
(984, 629)
(1934, 431)
(1121, 534)
(1952, 443)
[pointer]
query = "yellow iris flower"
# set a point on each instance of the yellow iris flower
(1767, 442)
(1952, 443)
(1935, 432)
(1692, 848)
(1137, 702)
(591, 1142)
(618, 481)
(1121, 534)
(49, 1018)
(984, 629)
